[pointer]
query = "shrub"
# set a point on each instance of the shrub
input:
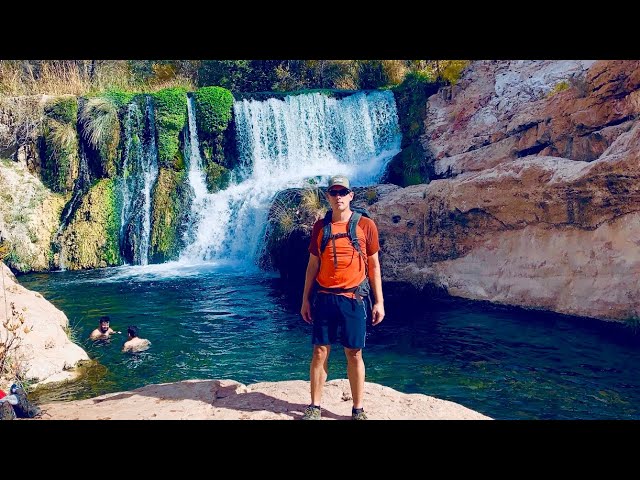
(558, 87)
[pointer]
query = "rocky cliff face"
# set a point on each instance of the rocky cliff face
(540, 206)
(33, 340)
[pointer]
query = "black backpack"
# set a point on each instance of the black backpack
(362, 291)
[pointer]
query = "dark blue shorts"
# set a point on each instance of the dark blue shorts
(337, 318)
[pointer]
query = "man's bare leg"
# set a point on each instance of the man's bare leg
(355, 372)
(318, 371)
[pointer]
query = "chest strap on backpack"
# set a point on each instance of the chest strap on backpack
(351, 233)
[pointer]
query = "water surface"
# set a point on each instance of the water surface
(217, 321)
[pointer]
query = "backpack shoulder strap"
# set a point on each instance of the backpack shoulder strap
(326, 230)
(353, 223)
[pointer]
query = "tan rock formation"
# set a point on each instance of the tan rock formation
(230, 400)
(44, 351)
(29, 216)
(538, 231)
(504, 110)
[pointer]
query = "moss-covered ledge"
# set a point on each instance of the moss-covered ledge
(411, 166)
(214, 109)
(59, 148)
(171, 118)
(91, 239)
(170, 208)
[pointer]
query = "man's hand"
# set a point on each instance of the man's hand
(377, 313)
(305, 311)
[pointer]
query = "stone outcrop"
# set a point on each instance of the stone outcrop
(40, 348)
(543, 209)
(29, 217)
(20, 125)
(230, 400)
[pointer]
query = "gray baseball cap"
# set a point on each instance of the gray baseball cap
(339, 180)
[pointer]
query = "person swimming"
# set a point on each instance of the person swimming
(135, 343)
(104, 330)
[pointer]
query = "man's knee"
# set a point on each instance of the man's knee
(320, 352)
(353, 354)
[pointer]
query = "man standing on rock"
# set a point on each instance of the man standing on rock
(340, 274)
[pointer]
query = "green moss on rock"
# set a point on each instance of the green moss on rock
(60, 143)
(409, 167)
(411, 101)
(171, 117)
(171, 203)
(214, 113)
(91, 239)
(64, 109)
(213, 109)
(101, 126)
(217, 177)
(119, 97)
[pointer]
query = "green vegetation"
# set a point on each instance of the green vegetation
(171, 116)
(408, 167)
(559, 87)
(101, 127)
(60, 165)
(284, 214)
(217, 177)
(119, 98)
(169, 210)
(213, 109)
(411, 100)
(311, 199)
(91, 239)
(111, 248)
(92, 77)
(63, 109)
(371, 195)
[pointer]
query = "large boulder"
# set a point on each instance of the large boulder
(35, 333)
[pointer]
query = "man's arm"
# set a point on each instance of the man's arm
(375, 279)
(312, 270)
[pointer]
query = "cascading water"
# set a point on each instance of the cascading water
(283, 143)
(140, 171)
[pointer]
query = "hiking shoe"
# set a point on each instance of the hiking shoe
(359, 416)
(311, 413)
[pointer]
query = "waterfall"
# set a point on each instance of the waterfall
(283, 143)
(139, 174)
(196, 175)
(150, 175)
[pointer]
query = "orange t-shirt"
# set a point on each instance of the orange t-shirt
(351, 266)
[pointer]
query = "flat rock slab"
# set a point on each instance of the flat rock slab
(230, 400)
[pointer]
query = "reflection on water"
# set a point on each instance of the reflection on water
(218, 322)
